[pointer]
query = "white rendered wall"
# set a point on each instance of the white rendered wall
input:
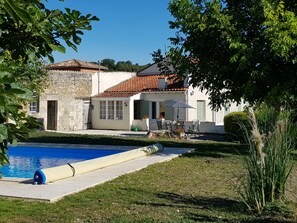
(163, 96)
(124, 124)
(195, 94)
(98, 123)
(101, 81)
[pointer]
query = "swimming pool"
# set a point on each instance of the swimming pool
(25, 160)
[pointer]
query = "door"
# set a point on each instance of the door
(201, 110)
(137, 109)
(52, 114)
(86, 115)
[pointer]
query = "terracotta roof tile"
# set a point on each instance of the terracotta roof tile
(139, 84)
(115, 94)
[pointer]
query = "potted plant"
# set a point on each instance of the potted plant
(180, 132)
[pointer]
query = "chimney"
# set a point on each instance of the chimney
(162, 83)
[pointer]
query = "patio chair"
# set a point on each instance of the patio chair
(173, 125)
(180, 124)
(167, 125)
(159, 124)
(194, 129)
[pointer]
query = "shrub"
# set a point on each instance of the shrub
(266, 117)
(233, 125)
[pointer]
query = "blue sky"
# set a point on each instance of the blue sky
(127, 30)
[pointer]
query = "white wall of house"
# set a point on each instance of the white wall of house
(104, 80)
(165, 96)
(211, 121)
(123, 124)
(218, 116)
(198, 99)
(98, 123)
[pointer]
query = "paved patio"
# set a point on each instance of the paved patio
(106, 132)
(25, 189)
(202, 136)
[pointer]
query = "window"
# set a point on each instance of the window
(119, 110)
(110, 110)
(102, 109)
(34, 105)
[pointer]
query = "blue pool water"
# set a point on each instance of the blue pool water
(25, 160)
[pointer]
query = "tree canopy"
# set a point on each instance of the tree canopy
(121, 65)
(29, 32)
(237, 49)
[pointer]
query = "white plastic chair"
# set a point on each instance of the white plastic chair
(194, 129)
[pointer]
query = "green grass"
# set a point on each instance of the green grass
(197, 187)
(52, 137)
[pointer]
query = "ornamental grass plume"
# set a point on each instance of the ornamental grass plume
(256, 136)
(268, 164)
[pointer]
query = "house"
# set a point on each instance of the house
(79, 95)
(140, 100)
(65, 103)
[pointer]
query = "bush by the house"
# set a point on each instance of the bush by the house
(233, 124)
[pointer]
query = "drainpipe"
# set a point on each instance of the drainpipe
(186, 84)
(98, 75)
(187, 101)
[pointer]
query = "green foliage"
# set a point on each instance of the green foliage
(266, 118)
(14, 124)
(268, 165)
(279, 209)
(237, 49)
(233, 123)
(29, 32)
(127, 66)
(29, 28)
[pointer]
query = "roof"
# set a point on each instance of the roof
(74, 63)
(140, 84)
(154, 69)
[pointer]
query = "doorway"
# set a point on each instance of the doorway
(87, 115)
(52, 114)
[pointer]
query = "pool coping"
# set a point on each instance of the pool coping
(52, 192)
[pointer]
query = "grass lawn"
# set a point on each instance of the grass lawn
(197, 187)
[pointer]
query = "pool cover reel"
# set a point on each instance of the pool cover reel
(43, 176)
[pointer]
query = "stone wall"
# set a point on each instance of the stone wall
(69, 89)
(70, 84)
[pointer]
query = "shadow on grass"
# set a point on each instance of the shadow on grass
(217, 151)
(212, 209)
(202, 148)
(212, 204)
(205, 204)
(268, 219)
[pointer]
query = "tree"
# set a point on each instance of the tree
(237, 49)
(110, 63)
(127, 66)
(29, 32)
